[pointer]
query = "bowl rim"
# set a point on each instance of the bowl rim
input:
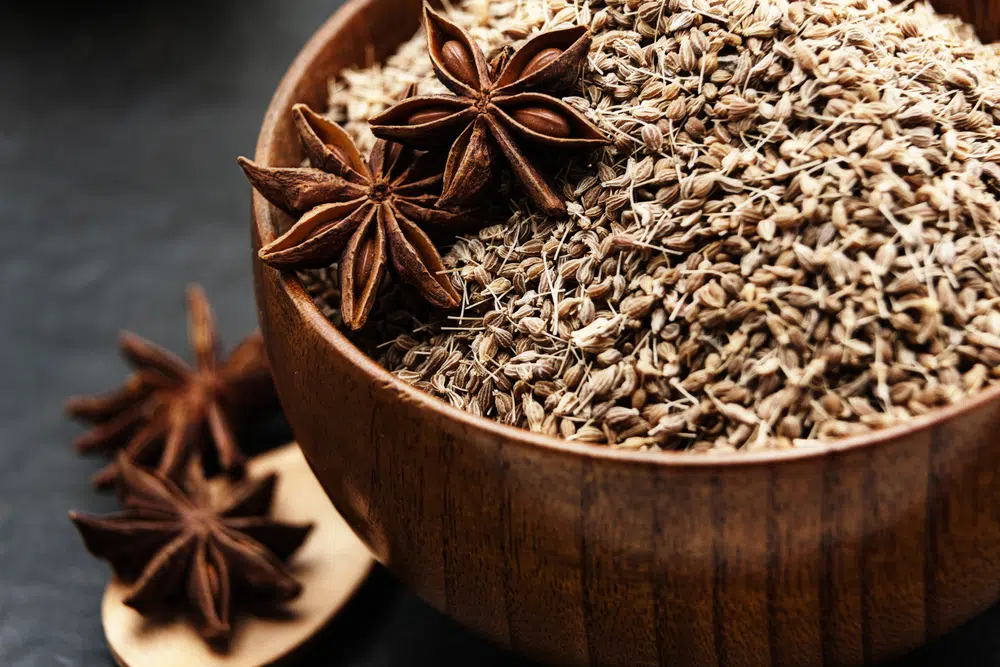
(263, 215)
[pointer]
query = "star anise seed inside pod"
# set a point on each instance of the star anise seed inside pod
(507, 107)
(184, 555)
(358, 214)
(168, 411)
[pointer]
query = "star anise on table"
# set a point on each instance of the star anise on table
(167, 411)
(360, 214)
(183, 555)
(507, 106)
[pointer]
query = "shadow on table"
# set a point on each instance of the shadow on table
(976, 643)
(387, 626)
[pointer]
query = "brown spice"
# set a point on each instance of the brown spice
(183, 554)
(501, 107)
(167, 412)
(359, 214)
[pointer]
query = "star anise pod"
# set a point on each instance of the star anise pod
(358, 214)
(167, 411)
(186, 556)
(507, 107)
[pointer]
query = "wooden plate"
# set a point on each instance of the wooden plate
(330, 565)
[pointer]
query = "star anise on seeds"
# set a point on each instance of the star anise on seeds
(358, 214)
(186, 556)
(507, 107)
(168, 411)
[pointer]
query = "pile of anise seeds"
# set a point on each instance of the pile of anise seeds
(793, 236)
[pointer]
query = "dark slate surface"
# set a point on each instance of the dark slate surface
(119, 125)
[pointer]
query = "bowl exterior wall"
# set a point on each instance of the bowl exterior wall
(849, 556)
(843, 558)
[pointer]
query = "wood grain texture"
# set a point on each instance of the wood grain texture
(849, 553)
(983, 14)
(842, 512)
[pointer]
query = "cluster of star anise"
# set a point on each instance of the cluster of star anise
(434, 157)
(180, 552)
(368, 215)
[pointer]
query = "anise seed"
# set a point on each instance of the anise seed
(458, 61)
(541, 59)
(543, 121)
(428, 116)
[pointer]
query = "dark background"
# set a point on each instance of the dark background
(120, 123)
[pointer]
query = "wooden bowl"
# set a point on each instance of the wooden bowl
(852, 552)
